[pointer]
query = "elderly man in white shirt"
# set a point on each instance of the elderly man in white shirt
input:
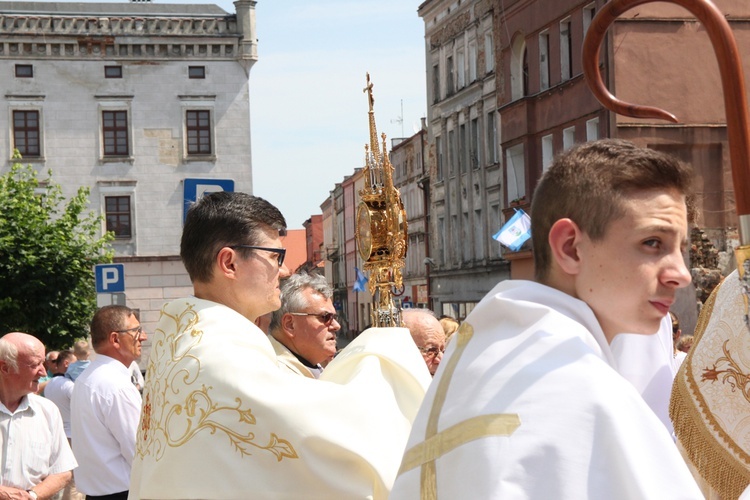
(106, 406)
(36, 458)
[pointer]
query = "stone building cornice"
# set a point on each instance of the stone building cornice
(38, 24)
(210, 34)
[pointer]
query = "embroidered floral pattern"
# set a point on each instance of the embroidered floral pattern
(145, 416)
(176, 409)
(729, 372)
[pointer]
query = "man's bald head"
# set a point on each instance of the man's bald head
(427, 333)
(11, 344)
(21, 367)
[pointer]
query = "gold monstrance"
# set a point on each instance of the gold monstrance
(381, 228)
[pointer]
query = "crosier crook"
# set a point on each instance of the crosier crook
(700, 435)
(732, 78)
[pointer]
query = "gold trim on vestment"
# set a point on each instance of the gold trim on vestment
(437, 444)
(503, 424)
(177, 406)
(465, 333)
(692, 418)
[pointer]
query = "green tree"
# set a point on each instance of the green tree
(47, 252)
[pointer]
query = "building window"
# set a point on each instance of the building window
(115, 133)
(24, 71)
(112, 71)
(515, 172)
(569, 137)
(462, 148)
(26, 133)
(548, 152)
(118, 216)
(495, 224)
(454, 255)
(458, 310)
(543, 61)
(518, 68)
(465, 238)
(566, 51)
(451, 153)
(491, 138)
(443, 242)
(435, 83)
(588, 15)
(474, 144)
(489, 53)
(478, 235)
(592, 129)
(472, 62)
(460, 73)
(198, 127)
(439, 154)
(525, 70)
(449, 76)
(197, 72)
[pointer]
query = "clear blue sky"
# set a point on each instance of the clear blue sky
(309, 119)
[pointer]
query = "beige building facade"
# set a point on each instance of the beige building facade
(146, 104)
(463, 153)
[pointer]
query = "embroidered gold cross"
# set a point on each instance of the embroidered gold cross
(437, 444)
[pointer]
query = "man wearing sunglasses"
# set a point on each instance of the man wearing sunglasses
(222, 419)
(105, 406)
(303, 330)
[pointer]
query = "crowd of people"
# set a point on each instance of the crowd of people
(97, 405)
(551, 388)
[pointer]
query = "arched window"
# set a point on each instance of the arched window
(519, 68)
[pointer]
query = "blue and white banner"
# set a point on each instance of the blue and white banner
(516, 231)
(360, 284)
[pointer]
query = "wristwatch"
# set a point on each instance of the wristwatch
(32, 494)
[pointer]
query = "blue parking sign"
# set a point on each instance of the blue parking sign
(110, 278)
(194, 189)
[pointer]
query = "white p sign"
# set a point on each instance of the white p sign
(110, 278)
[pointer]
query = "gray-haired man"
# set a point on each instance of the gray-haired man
(303, 330)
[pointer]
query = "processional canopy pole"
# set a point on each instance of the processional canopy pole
(380, 230)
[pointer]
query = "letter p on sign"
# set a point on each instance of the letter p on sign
(110, 278)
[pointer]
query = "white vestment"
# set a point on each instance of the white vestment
(527, 403)
(221, 419)
(648, 362)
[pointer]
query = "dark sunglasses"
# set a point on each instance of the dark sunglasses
(326, 317)
(280, 252)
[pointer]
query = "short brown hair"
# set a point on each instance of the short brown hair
(64, 356)
(222, 219)
(106, 320)
(589, 183)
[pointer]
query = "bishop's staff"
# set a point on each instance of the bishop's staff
(717, 443)
(732, 79)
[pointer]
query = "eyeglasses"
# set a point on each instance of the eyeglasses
(432, 352)
(325, 317)
(138, 330)
(280, 252)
